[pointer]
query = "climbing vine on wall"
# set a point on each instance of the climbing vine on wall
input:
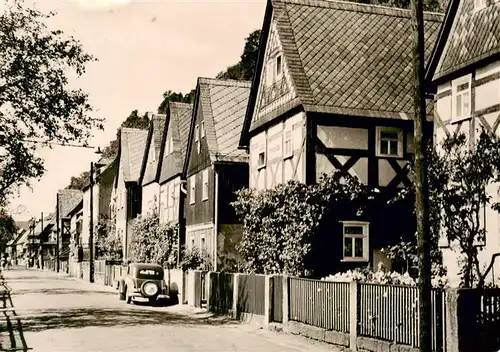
(279, 223)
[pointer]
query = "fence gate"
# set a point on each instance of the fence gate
(277, 297)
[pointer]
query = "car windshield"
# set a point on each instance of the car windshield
(149, 273)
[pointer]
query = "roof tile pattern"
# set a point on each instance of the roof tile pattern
(68, 200)
(179, 118)
(133, 144)
(351, 56)
(158, 129)
(224, 104)
(473, 36)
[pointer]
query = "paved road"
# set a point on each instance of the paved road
(57, 313)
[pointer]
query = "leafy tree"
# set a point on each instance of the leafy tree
(36, 102)
(195, 259)
(108, 244)
(8, 229)
(245, 68)
(170, 96)
(280, 223)
(458, 176)
(153, 242)
(79, 182)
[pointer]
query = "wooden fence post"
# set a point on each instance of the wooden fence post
(353, 315)
(451, 313)
(286, 305)
(235, 296)
(208, 290)
(268, 299)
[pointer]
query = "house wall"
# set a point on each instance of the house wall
(150, 198)
(200, 212)
(86, 213)
(121, 210)
(106, 183)
(278, 168)
(485, 111)
(170, 198)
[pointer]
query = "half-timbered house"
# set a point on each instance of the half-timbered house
(149, 170)
(464, 76)
(127, 193)
(215, 168)
(333, 91)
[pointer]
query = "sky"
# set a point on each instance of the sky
(143, 49)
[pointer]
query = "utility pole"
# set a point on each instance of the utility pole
(57, 232)
(421, 182)
(91, 226)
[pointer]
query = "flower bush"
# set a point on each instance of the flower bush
(195, 259)
(382, 278)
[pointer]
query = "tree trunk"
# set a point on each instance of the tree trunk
(421, 182)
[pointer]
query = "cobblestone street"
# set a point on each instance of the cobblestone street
(60, 314)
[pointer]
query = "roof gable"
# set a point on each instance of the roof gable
(132, 147)
(176, 136)
(345, 58)
(222, 104)
(152, 149)
(468, 37)
(69, 199)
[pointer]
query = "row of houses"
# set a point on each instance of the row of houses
(332, 91)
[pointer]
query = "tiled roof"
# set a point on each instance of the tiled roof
(133, 144)
(348, 56)
(179, 118)
(473, 36)
(68, 200)
(158, 129)
(224, 103)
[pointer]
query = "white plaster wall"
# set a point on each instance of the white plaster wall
(86, 213)
(169, 208)
(278, 166)
(150, 198)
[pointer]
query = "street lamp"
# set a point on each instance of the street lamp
(91, 223)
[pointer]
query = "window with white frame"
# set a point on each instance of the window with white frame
(261, 161)
(287, 143)
(356, 244)
(461, 98)
(197, 137)
(202, 129)
(203, 243)
(192, 189)
(205, 184)
(389, 141)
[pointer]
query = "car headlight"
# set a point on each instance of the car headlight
(150, 289)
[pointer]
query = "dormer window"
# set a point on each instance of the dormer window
(461, 98)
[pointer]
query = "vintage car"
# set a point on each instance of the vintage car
(142, 280)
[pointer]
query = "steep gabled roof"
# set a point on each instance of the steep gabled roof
(132, 146)
(178, 120)
(467, 38)
(223, 104)
(154, 140)
(69, 199)
(345, 58)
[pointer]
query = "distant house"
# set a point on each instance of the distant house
(69, 201)
(48, 237)
(127, 192)
(333, 92)
(104, 177)
(173, 154)
(464, 76)
(14, 246)
(215, 168)
(149, 170)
